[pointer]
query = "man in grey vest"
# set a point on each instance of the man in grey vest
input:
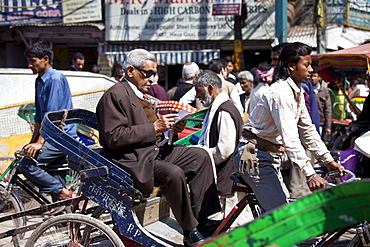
(220, 135)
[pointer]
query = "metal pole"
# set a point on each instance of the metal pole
(281, 20)
(320, 20)
(238, 43)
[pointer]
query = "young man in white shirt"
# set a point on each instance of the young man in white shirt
(281, 123)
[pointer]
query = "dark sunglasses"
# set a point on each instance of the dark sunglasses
(148, 73)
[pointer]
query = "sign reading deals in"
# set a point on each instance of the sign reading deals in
(169, 20)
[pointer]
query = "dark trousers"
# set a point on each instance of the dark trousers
(175, 169)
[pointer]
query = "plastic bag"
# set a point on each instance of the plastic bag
(350, 159)
(362, 144)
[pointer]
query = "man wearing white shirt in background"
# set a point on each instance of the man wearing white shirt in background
(265, 74)
(280, 122)
(189, 71)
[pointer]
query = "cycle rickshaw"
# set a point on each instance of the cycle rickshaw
(111, 187)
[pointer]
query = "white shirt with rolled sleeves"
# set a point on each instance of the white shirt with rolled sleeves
(281, 117)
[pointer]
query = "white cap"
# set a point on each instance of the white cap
(189, 70)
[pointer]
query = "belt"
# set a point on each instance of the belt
(260, 143)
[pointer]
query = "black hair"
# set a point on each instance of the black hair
(278, 48)
(216, 65)
(78, 55)
(315, 69)
(40, 49)
(264, 66)
(229, 59)
(359, 80)
(291, 53)
(115, 66)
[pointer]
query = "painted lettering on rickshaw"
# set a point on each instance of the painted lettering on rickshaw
(131, 227)
(107, 200)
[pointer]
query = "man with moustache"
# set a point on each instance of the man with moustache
(220, 135)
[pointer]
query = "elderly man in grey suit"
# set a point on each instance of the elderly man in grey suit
(130, 132)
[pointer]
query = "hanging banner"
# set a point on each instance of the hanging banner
(166, 20)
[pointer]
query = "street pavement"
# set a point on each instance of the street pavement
(166, 229)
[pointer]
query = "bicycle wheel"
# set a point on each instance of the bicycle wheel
(339, 141)
(73, 230)
(10, 204)
(73, 181)
(355, 242)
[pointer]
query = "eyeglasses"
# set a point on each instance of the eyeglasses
(148, 73)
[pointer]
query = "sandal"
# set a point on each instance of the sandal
(69, 196)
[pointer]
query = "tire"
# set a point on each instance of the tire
(10, 204)
(355, 242)
(86, 231)
(103, 216)
(339, 141)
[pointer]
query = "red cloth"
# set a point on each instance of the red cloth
(187, 131)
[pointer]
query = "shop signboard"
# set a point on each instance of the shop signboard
(30, 11)
(14, 12)
(226, 7)
(359, 14)
(81, 11)
(176, 20)
(335, 11)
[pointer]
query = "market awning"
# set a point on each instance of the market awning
(344, 63)
(167, 54)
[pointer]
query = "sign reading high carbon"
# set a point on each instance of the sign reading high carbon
(165, 20)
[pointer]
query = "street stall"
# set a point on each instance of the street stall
(340, 64)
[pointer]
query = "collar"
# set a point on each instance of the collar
(297, 91)
(134, 88)
(316, 89)
(221, 77)
(189, 82)
(220, 98)
(47, 75)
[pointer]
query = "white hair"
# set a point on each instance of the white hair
(138, 58)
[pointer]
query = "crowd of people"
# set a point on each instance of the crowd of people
(258, 123)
